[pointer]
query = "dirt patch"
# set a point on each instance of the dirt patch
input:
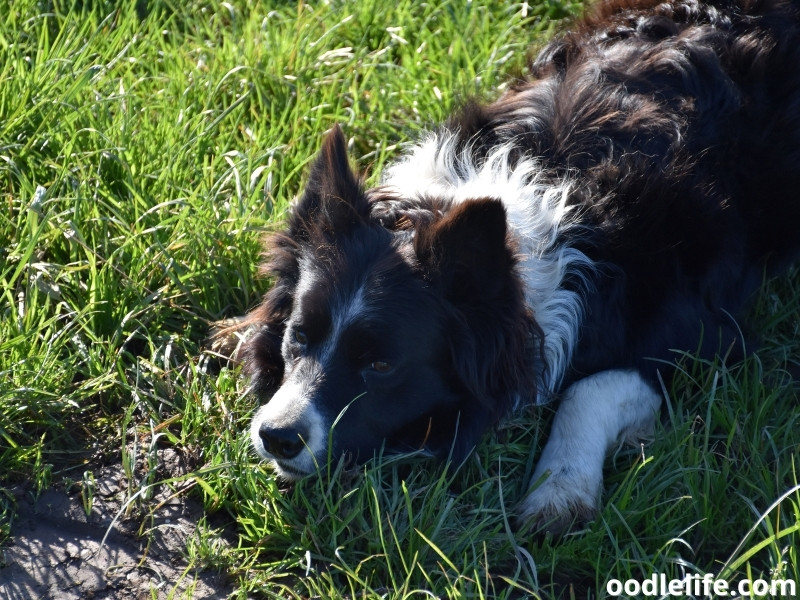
(57, 550)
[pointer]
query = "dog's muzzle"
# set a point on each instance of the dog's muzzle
(289, 432)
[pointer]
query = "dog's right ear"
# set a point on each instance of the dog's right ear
(467, 255)
(334, 202)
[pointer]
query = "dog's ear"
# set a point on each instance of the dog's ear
(466, 252)
(334, 201)
(467, 256)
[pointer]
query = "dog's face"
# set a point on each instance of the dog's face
(381, 336)
(363, 347)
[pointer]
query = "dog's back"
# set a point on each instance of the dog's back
(674, 130)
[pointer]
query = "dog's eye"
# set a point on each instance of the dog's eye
(300, 337)
(380, 366)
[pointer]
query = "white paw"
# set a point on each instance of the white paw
(564, 497)
(594, 414)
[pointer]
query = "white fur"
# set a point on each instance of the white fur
(345, 310)
(537, 213)
(594, 414)
(290, 405)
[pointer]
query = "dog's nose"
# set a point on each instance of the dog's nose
(281, 442)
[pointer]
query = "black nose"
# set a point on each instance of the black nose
(281, 442)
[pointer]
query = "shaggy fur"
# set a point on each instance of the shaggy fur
(622, 203)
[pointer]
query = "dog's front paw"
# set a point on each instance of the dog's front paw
(561, 499)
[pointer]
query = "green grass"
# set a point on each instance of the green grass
(143, 152)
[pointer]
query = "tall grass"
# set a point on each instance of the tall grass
(144, 149)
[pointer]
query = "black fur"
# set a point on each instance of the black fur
(678, 125)
(683, 123)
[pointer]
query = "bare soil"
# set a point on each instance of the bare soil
(57, 551)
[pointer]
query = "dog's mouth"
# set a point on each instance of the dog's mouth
(288, 470)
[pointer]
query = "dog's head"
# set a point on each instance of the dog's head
(375, 335)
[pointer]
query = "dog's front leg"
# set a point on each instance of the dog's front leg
(594, 414)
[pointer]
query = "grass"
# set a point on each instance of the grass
(145, 147)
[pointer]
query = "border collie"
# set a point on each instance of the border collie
(620, 204)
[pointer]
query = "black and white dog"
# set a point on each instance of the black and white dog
(622, 203)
